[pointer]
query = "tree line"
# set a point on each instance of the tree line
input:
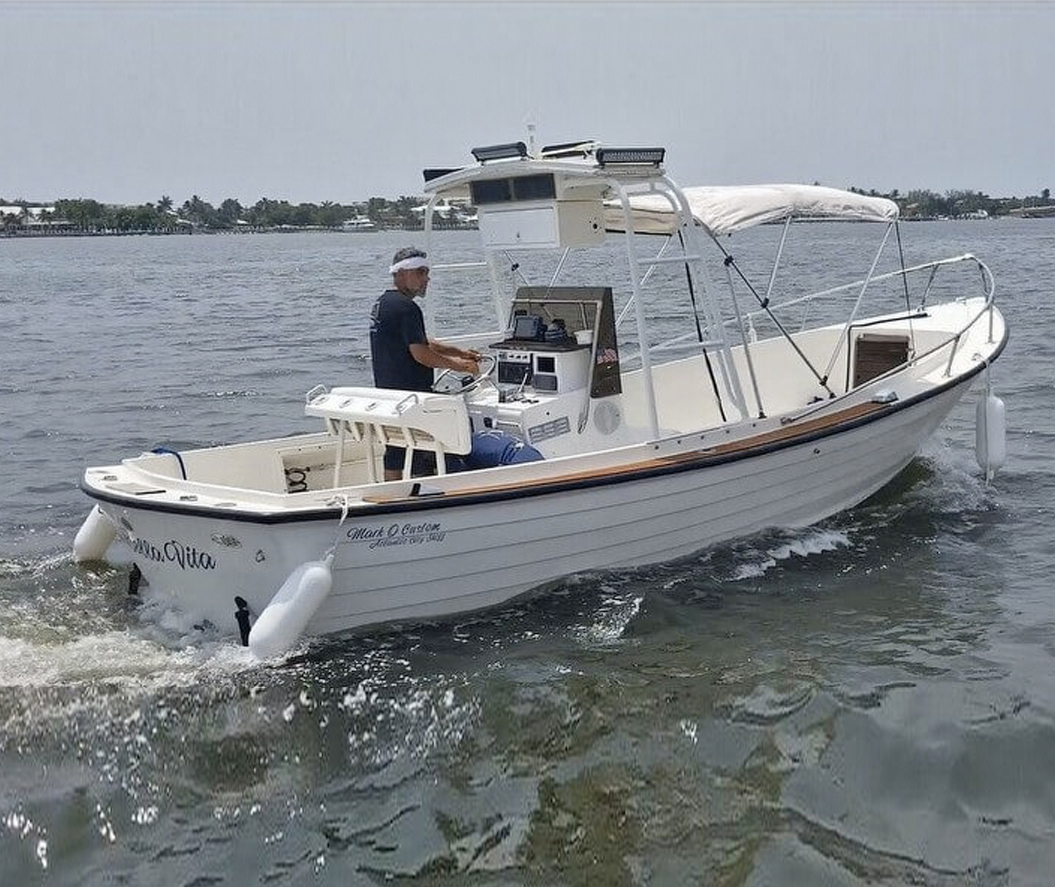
(162, 216)
(925, 204)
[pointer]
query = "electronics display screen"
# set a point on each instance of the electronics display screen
(527, 326)
(544, 382)
(514, 372)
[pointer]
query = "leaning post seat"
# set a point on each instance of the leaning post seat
(414, 420)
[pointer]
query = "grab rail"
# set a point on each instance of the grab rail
(988, 286)
(891, 275)
(954, 340)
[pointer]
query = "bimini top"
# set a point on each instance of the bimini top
(723, 209)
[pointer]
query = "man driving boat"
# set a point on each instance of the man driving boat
(403, 356)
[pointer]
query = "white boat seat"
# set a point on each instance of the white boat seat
(414, 420)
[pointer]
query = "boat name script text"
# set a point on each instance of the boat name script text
(186, 557)
(385, 535)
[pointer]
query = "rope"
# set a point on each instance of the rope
(122, 532)
(699, 331)
(165, 451)
(904, 281)
(730, 262)
(332, 550)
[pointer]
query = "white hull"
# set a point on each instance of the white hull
(444, 559)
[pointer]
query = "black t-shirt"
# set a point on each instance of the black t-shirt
(396, 323)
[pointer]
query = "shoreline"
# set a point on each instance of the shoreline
(206, 232)
(292, 229)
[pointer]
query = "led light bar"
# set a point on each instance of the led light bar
(582, 148)
(507, 151)
(431, 173)
(613, 156)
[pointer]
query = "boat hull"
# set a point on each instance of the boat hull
(439, 557)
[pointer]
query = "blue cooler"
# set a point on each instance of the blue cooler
(494, 448)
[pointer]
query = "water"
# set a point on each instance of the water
(868, 701)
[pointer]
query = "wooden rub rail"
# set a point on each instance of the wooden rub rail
(797, 429)
(787, 433)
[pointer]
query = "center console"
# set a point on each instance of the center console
(550, 367)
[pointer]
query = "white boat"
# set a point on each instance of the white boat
(647, 453)
(359, 223)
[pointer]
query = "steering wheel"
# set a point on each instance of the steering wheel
(456, 382)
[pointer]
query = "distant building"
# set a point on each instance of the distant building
(37, 213)
(448, 214)
(34, 213)
(1033, 212)
(32, 219)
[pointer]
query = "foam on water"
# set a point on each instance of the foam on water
(71, 638)
(609, 618)
(956, 482)
(810, 542)
(20, 826)
(116, 657)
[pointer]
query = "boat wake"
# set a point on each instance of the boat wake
(116, 658)
(810, 542)
(63, 625)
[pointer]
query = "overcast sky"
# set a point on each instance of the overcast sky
(126, 101)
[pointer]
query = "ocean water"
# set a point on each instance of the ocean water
(866, 701)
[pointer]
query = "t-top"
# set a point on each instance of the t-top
(396, 323)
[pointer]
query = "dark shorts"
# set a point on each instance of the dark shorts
(424, 463)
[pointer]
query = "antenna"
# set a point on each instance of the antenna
(532, 126)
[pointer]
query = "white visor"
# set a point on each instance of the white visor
(411, 264)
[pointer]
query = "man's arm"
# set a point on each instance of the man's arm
(431, 356)
(453, 351)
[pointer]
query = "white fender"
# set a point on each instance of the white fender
(94, 537)
(291, 609)
(990, 445)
